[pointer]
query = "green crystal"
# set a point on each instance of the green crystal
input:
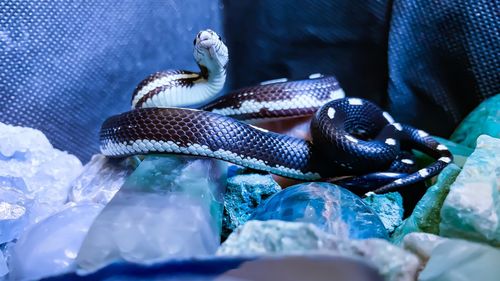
(426, 215)
(472, 208)
(485, 119)
(454, 259)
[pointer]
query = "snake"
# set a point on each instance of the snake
(182, 112)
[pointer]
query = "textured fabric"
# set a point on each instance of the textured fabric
(443, 60)
(67, 65)
(428, 62)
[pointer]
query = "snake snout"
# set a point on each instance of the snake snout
(206, 36)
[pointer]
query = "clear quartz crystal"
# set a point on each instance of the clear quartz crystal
(100, 179)
(14, 205)
(169, 207)
(50, 246)
(3, 265)
(331, 208)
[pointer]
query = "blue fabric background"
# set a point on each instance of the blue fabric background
(67, 65)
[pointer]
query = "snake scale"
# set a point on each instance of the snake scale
(350, 136)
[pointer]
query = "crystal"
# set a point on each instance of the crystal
(169, 207)
(34, 179)
(454, 259)
(299, 238)
(50, 246)
(26, 153)
(14, 206)
(422, 244)
(243, 194)
(426, 215)
(389, 207)
(484, 119)
(472, 208)
(100, 179)
(330, 207)
(4, 270)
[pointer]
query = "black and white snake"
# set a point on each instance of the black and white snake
(350, 136)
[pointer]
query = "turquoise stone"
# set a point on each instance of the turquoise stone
(389, 207)
(454, 259)
(274, 237)
(331, 208)
(472, 208)
(483, 120)
(426, 215)
(244, 192)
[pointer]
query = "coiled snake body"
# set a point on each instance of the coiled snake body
(351, 136)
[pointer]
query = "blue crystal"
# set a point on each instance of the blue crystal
(330, 207)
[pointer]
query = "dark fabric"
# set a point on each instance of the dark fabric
(428, 62)
(294, 38)
(67, 65)
(443, 60)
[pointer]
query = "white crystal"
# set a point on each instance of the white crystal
(31, 166)
(26, 153)
(100, 179)
(50, 247)
(14, 204)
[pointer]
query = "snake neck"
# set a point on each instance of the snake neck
(212, 82)
(178, 88)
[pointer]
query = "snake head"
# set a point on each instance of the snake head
(210, 51)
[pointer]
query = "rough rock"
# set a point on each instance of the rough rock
(170, 207)
(279, 237)
(332, 208)
(426, 215)
(243, 194)
(389, 207)
(472, 208)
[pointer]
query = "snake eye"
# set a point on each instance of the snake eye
(194, 41)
